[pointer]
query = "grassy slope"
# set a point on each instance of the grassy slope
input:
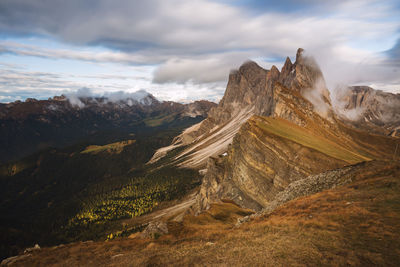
(351, 146)
(356, 224)
(306, 138)
(159, 120)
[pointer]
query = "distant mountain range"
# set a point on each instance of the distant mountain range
(370, 110)
(34, 125)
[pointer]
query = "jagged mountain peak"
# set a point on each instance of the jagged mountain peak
(251, 82)
(254, 86)
(304, 75)
(297, 94)
(287, 67)
(299, 55)
(275, 70)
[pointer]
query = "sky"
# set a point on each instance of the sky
(183, 50)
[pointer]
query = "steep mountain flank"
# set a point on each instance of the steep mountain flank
(369, 109)
(251, 90)
(294, 140)
(269, 153)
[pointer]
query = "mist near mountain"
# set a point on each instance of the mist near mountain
(138, 97)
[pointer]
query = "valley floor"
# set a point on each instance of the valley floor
(357, 224)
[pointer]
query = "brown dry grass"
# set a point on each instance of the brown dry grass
(357, 225)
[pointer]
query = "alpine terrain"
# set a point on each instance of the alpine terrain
(278, 173)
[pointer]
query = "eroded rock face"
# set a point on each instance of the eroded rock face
(259, 165)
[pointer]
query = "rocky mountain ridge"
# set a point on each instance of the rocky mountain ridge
(251, 90)
(294, 139)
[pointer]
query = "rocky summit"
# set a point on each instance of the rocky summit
(252, 90)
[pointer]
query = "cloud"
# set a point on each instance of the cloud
(197, 42)
(15, 80)
(14, 48)
(340, 104)
(140, 96)
(342, 66)
(213, 68)
(19, 84)
(316, 96)
(393, 55)
(77, 98)
(181, 27)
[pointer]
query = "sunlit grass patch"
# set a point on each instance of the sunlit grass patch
(116, 147)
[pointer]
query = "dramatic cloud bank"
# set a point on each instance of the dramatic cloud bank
(192, 44)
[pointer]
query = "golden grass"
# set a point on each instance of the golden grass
(304, 137)
(116, 147)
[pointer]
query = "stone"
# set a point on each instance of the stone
(155, 230)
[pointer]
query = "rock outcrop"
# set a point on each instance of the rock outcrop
(155, 230)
